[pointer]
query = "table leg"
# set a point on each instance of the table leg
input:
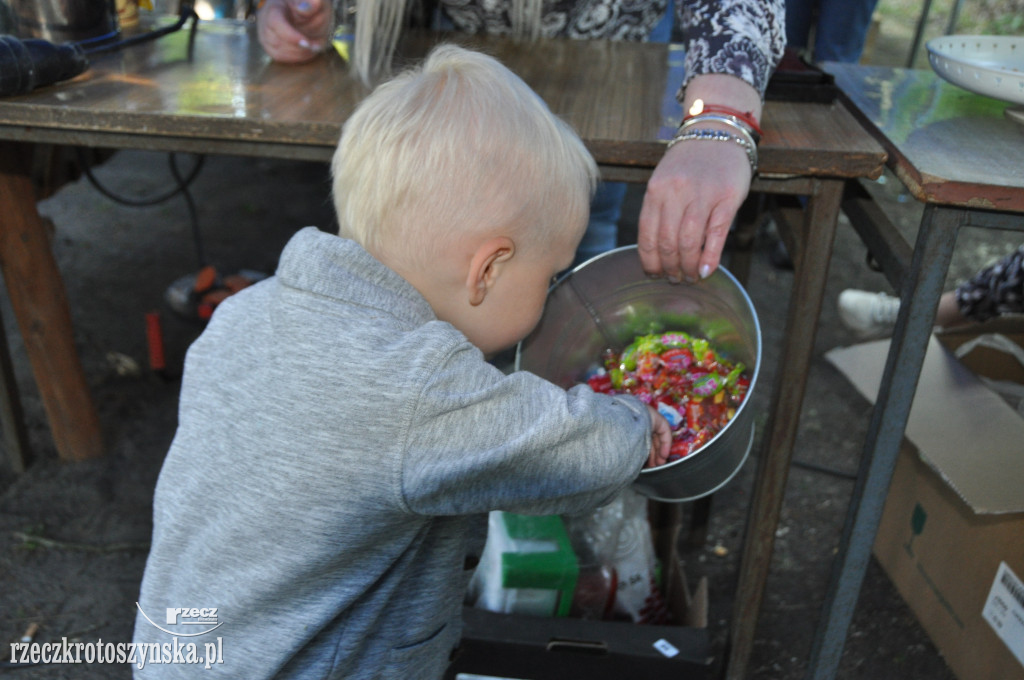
(922, 286)
(12, 420)
(741, 238)
(811, 266)
(41, 308)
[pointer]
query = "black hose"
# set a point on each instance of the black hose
(182, 184)
(192, 212)
(186, 13)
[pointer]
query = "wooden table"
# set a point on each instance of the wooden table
(958, 154)
(230, 99)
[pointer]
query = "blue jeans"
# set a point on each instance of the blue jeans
(840, 31)
(606, 208)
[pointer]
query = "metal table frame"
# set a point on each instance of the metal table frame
(918, 274)
(921, 282)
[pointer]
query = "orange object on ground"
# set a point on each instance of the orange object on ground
(205, 279)
(210, 301)
(155, 341)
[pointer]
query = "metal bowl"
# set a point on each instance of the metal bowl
(604, 304)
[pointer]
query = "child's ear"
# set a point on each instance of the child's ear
(487, 265)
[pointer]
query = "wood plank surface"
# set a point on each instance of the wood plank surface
(817, 140)
(231, 98)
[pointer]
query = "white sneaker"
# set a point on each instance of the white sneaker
(868, 315)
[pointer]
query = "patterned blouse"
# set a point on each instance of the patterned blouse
(744, 38)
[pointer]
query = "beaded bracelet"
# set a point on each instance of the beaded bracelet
(744, 134)
(718, 136)
(698, 107)
(731, 121)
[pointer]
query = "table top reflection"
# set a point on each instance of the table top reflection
(231, 98)
(949, 146)
(231, 90)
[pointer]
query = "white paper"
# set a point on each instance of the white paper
(666, 648)
(1004, 610)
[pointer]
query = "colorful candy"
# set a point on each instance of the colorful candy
(695, 389)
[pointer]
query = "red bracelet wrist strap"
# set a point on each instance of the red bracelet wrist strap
(747, 117)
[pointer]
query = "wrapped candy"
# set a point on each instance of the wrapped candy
(684, 378)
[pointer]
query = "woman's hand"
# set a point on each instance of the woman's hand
(690, 203)
(294, 31)
(696, 189)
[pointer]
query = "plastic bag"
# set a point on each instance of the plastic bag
(617, 564)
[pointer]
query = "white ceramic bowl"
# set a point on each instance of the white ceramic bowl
(983, 64)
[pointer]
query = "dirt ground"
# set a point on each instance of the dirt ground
(73, 536)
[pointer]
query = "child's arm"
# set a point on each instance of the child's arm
(480, 440)
(661, 439)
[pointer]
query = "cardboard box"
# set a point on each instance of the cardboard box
(951, 536)
(540, 648)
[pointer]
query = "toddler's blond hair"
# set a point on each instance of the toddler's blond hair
(458, 145)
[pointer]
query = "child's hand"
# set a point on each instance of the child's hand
(661, 439)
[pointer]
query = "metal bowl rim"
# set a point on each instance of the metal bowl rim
(758, 347)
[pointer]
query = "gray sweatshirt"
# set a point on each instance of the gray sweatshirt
(337, 451)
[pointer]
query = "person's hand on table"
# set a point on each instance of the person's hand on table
(294, 31)
(696, 189)
(661, 439)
